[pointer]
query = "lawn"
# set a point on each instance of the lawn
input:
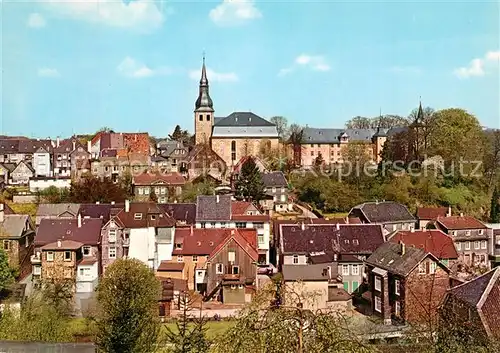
(24, 208)
(214, 328)
(335, 215)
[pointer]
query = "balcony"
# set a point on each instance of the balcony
(36, 258)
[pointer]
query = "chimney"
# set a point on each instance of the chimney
(449, 212)
(302, 226)
(191, 229)
(329, 272)
(97, 202)
(79, 220)
(1, 213)
(89, 146)
(57, 141)
(461, 214)
(335, 257)
(59, 244)
(112, 202)
(412, 229)
(337, 226)
(217, 197)
(127, 205)
(403, 248)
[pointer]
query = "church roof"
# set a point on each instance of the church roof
(244, 124)
(243, 119)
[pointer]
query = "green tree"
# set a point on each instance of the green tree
(319, 161)
(495, 207)
(6, 274)
(192, 190)
(189, 336)
(180, 135)
(249, 183)
(91, 189)
(281, 126)
(127, 319)
(152, 196)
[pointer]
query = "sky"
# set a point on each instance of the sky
(72, 67)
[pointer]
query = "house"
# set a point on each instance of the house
(5, 170)
(217, 212)
(276, 190)
(165, 186)
(170, 293)
(184, 214)
(71, 158)
(406, 284)
(9, 151)
(433, 241)
(17, 233)
(392, 215)
(69, 249)
(140, 230)
(471, 237)
(42, 183)
(171, 156)
(428, 215)
(471, 309)
(114, 166)
(316, 286)
(22, 173)
(56, 210)
(203, 161)
(122, 143)
(346, 245)
(42, 161)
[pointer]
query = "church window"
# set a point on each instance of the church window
(201, 117)
(233, 150)
(208, 117)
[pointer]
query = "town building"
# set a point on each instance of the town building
(392, 215)
(427, 216)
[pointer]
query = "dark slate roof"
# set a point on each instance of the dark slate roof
(388, 257)
(243, 119)
(181, 212)
(102, 211)
(396, 130)
(472, 291)
(385, 212)
(32, 145)
(9, 146)
(315, 135)
(348, 238)
(276, 179)
(213, 208)
(316, 272)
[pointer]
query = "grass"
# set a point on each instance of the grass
(335, 215)
(214, 328)
(24, 208)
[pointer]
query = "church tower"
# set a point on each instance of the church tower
(204, 111)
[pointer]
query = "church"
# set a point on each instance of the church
(238, 135)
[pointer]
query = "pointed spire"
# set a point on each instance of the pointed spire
(203, 80)
(204, 101)
(420, 113)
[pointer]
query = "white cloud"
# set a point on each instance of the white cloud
(233, 12)
(478, 66)
(312, 62)
(48, 72)
(35, 20)
(214, 76)
(131, 68)
(142, 15)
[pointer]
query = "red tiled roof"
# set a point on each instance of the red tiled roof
(431, 213)
(146, 210)
(63, 245)
(241, 241)
(51, 230)
(171, 266)
(433, 241)
(137, 142)
(239, 207)
(460, 222)
(159, 178)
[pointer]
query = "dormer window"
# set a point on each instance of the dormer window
(481, 232)
(153, 217)
(467, 232)
(179, 245)
(138, 216)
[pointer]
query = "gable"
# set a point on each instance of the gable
(22, 168)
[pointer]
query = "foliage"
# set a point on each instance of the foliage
(152, 196)
(91, 189)
(180, 135)
(192, 190)
(281, 126)
(127, 319)
(384, 121)
(190, 333)
(6, 273)
(59, 295)
(495, 207)
(37, 321)
(296, 139)
(319, 161)
(249, 183)
(53, 194)
(125, 182)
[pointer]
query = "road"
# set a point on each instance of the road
(306, 212)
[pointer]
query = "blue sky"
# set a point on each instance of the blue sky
(73, 67)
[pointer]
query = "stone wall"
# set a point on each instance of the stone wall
(244, 147)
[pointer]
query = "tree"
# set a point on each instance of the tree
(296, 140)
(127, 318)
(281, 126)
(319, 161)
(91, 189)
(359, 122)
(180, 135)
(53, 194)
(495, 207)
(383, 121)
(190, 333)
(6, 274)
(249, 183)
(152, 196)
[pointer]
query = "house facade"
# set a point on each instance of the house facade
(21, 173)
(392, 215)
(165, 187)
(276, 190)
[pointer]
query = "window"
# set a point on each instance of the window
(178, 245)
(208, 117)
(312, 153)
(180, 258)
(467, 232)
(112, 235)
(223, 224)
(378, 304)
(484, 244)
(6, 244)
(295, 259)
(231, 256)
(397, 284)
(421, 268)
(219, 269)
(146, 191)
(86, 251)
(397, 308)
(195, 258)
(432, 267)
(112, 252)
(346, 286)
(481, 232)
(459, 246)
(201, 117)
(37, 270)
(355, 286)
(258, 225)
(236, 270)
(202, 225)
(233, 150)
(260, 239)
(454, 233)
(67, 256)
(354, 270)
(137, 216)
(274, 189)
(378, 283)
(85, 271)
(345, 270)
(241, 225)
(50, 256)
(467, 245)
(477, 245)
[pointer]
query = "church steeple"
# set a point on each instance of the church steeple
(204, 102)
